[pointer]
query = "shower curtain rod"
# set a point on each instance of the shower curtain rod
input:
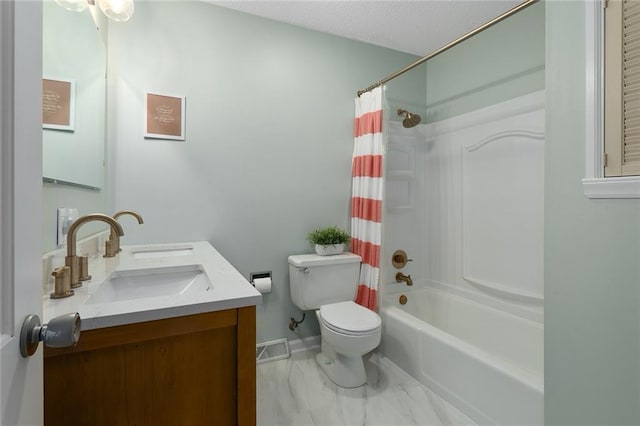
(470, 34)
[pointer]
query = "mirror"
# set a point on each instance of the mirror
(74, 48)
(74, 94)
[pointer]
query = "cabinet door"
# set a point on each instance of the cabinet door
(181, 371)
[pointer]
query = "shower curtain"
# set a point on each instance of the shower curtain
(367, 190)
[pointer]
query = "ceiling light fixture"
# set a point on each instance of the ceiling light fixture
(117, 10)
(73, 5)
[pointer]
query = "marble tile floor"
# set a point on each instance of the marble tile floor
(296, 392)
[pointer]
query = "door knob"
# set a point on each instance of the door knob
(60, 332)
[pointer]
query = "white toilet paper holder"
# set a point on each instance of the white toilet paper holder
(254, 275)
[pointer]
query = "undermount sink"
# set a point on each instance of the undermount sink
(162, 252)
(154, 282)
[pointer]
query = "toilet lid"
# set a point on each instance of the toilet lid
(349, 317)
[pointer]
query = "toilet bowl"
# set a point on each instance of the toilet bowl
(327, 284)
(348, 332)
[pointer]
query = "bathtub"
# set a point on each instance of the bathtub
(486, 363)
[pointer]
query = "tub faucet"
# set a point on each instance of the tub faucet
(78, 269)
(400, 277)
(112, 245)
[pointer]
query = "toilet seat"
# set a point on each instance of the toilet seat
(349, 318)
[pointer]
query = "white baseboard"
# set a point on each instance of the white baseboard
(308, 343)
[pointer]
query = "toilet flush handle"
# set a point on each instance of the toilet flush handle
(305, 271)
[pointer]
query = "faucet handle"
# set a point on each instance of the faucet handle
(399, 259)
(62, 283)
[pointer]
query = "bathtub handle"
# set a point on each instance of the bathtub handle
(399, 259)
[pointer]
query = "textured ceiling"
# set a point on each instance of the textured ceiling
(418, 27)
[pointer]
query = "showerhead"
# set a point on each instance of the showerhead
(410, 120)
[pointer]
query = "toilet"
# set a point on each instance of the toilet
(327, 284)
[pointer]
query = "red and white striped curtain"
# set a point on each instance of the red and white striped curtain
(366, 200)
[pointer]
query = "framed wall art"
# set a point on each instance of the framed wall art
(164, 117)
(58, 103)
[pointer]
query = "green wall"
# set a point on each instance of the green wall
(592, 256)
(269, 137)
(498, 64)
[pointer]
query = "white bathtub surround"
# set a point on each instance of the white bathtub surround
(487, 363)
(296, 392)
(484, 201)
(468, 201)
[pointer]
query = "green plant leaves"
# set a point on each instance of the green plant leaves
(328, 236)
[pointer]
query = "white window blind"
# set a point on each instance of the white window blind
(622, 88)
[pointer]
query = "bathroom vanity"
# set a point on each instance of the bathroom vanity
(168, 338)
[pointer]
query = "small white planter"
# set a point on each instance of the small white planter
(328, 250)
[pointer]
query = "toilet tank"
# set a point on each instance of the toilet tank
(318, 280)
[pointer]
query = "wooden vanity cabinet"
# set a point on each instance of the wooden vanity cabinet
(191, 370)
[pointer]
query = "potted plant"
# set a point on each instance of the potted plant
(329, 240)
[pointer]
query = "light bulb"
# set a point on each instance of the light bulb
(118, 10)
(73, 5)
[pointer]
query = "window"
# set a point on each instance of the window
(622, 88)
(613, 99)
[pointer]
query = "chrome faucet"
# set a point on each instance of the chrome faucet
(78, 269)
(400, 277)
(112, 245)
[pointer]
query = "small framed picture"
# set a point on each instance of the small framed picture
(58, 103)
(164, 117)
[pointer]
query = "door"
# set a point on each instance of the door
(20, 207)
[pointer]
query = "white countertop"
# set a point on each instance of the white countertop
(230, 289)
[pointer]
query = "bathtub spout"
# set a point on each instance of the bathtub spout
(400, 277)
